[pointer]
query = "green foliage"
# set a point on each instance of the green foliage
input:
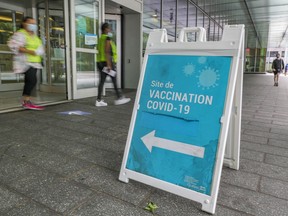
(151, 207)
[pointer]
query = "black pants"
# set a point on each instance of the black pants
(103, 76)
(30, 81)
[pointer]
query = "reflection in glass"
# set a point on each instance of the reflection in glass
(169, 13)
(86, 34)
(152, 14)
(200, 16)
(54, 70)
(6, 26)
(113, 27)
(42, 31)
(196, 17)
(217, 33)
(151, 19)
(9, 23)
(212, 31)
(87, 23)
(6, 71)
(57, 45)
(181, 15)
(206, 26)
(86, 67)
(191, 21)
(146, 32)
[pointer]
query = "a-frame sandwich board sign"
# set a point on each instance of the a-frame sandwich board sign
(182, 113)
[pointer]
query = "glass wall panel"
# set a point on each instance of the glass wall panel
(261, 59)
(195, 17)
(212, 31)
(200, 20)
(9, 23)
(86, 66)
(256, 60)
(6, 26)
(86, 34)
(146, 32)
(192, 15)
(86, 22)
(52, 29)
(57, 41)
(207, 26)
(217, 33)
(115, 26)
(169, 13)
(181, 15)
(42, 30)
(152, 14)
(6, 71)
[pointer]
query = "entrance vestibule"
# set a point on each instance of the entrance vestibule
(69, 31)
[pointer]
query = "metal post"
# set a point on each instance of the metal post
(176, 16)
(48, 45)
(161, 14)
(187, 15)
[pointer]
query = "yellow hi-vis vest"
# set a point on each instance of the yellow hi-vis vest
(32, 43)
(101, 57)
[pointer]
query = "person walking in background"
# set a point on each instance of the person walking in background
(28, 49)
(106, 63)
(277, 67)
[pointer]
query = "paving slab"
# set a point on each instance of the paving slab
(51, 190)
(265, 148)
(276, 160)
(279, 143)
(240, 178)
(107, 181)
(274, 187)
(251, 155)
(252, 202)
(31, 208)
(104, 205)
(9, 199)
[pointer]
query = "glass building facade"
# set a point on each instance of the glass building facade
(212, 15)
(174, 15)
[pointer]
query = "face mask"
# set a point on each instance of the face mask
(32, 27)
(110, 34)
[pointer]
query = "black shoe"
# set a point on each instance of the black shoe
(276, 84)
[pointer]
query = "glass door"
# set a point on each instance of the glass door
(52, 30)
(86, 18)
(115, 25)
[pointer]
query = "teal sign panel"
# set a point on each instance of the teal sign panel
(177, 127)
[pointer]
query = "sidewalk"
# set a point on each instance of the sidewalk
(54, 164)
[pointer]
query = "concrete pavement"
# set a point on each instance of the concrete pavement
(53, 164)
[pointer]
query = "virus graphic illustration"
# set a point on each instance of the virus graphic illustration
(189, 69)
(208, 78)
(202, 60)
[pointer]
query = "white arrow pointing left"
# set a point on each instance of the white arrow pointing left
(73, 113)
(150, 141)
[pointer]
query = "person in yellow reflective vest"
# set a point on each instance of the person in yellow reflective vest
(28, 49)
(106, 63)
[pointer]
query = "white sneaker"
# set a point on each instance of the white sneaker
(100, 103)
(121, 100)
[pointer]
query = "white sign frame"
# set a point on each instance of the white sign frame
(232, 44)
